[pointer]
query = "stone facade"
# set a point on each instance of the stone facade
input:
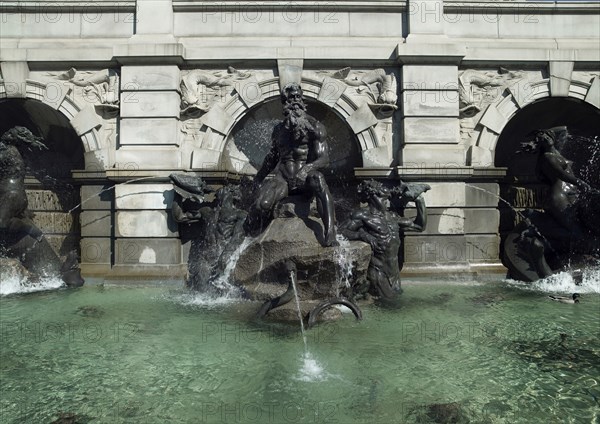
(423, 88)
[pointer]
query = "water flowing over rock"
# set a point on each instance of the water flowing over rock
(295, 239)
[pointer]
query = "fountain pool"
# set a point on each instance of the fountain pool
(454, 351)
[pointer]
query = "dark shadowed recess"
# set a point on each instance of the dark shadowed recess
(522, 187)
(252, 136)
(47, 169)
(583, 148)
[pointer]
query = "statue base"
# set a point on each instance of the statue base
(295, 239)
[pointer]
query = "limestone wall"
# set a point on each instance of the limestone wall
(158, 86)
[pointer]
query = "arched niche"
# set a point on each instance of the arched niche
(51, 191)
(522, 187)
(579, 117)
(249, 141)
(218, 123)
(518, 97)
(80, 114)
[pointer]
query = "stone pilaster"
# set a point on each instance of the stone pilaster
(425, 18)
(144, 233)
(431, 126)
(96, 219)
(154, 17)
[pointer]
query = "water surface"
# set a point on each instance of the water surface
(451, 352)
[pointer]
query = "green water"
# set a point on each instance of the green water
(155, 354)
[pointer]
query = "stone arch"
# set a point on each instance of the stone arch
(81, 115)
(513, 99)
(581, 120)
(52, 193)
(249, 141)
(219, 121)
(522, 188)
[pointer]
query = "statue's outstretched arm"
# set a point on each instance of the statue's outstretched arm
(177, 211)
(420, 222)
(18, 225)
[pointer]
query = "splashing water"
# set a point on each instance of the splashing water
(343, 259)
(563, 282)
(310, 370)
(293, 278)
(228, 292)
(222, 282)
(108, 189)
(205, 300)
(506, 202)
(262, 256)
(15, 284)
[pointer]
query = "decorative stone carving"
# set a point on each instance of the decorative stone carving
(477, 89)
(201, 89)
(379, 87)
(100, 88)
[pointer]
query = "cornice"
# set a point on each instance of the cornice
(267, 5)
(521, 7)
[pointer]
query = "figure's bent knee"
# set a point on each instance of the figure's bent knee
(264, 205)
(317, 182)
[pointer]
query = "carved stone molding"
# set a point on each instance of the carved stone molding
(521, 92)
(98, 88)
(205, 131)
(201, 89)
(378, 88)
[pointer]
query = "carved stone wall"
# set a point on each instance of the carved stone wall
(494, 97)
(157, 87)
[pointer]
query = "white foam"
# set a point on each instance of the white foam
(311, 370)
(204, 300)
(343, 309)
(563, 282)
(223, 281)
(343, 256)
(15, 284)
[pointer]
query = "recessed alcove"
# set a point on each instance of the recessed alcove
(250, 140)
(522, 188)
(51, 191)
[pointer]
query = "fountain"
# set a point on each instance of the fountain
(21, 240)
(382, 229)
(566, 232)
(282, 258)
(289, 234)
(215, 227)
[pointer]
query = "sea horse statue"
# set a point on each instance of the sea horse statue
(567, 229)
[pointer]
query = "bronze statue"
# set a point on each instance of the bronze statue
(20, 238)
(298, 152)
(382, 229)
(221, 222)
(544, 241)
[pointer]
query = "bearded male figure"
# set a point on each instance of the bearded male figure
(298, 152)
